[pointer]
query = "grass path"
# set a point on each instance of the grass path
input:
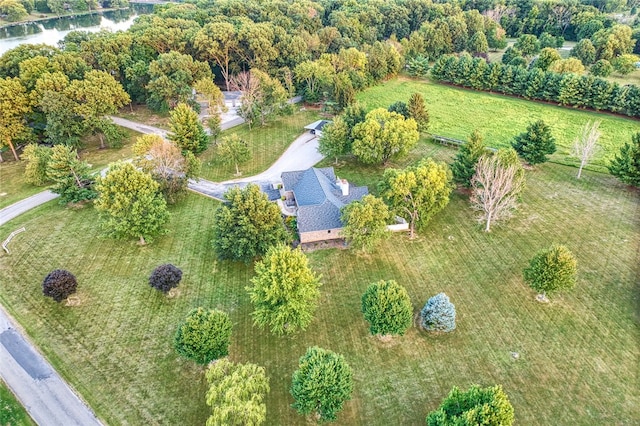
(578, 355)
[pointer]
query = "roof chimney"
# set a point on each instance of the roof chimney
(343, 185)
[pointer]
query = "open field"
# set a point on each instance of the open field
(578, 354)
(11, 412)
(266, 143)
(456, 112)
(13, 186)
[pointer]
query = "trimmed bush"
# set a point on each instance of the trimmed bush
(488, 406)
(439, 314)
(59, 285)
(387, 307)
(165, 277)
(204, 335)
(551, 270)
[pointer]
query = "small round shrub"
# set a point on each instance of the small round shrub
(59, 285)
(204, 335)
(439, 314)
(551, 270)
(387, 308)
(165, 277)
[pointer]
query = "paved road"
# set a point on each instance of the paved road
(47, 398)
(16, 209)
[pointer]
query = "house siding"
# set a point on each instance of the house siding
(324, 235)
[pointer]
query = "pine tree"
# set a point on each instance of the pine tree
(69, 175)
(536, 143)
(551, 270)
(439, 314)
(186, 130)
(626, 164)
(463, 166)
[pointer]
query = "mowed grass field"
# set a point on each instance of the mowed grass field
(578, 355)
(456, 112)
(11, 412)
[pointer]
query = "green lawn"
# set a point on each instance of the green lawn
(11, 412)
(578, 354)
(13, 186)
(455, 112)
(144, 114)
(266, 143)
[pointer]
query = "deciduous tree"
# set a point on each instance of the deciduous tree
(322, 383)
(165, 277)
(236, 394)
(285, 291)
(383, 135)
(335, 139)
(37, 156)
(246, 226)
(551, 270)
(586, 144)
(186, 130)
(476, 406)
(233, 150)
(626, 164)
(218, 42)
(130, 203)
(365, 222)
(204, 335)
(14, 107)
(387, 308)
(536, 143)
(418, 111)
(59, 284)
(417, 192)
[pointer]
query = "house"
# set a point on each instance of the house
(317, 196)
(315, 128)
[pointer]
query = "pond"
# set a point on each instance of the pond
(51, 31)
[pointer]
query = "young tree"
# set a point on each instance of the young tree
(383, 135)
(496, 186)
(214, 125)
(546, 58)
(438, 314)
(464, 165)
(477, 406)
(585, 51)
(536, 143)
(285, 291)
(322, 383)
(37, 156)
(233, 150)
(14, 107)
(247, 226)
(165, 277)
(236, 394)
(417, 192)
(601, 68)
(186, 130)
(59, 284)
(130, 204)
(400, 108)
(212, 94)
(625, 64)
(335, 139)
(551, 270)
(418, 111)
(204, 335)
(387, 308)
(626, 164)
(586, 144)
(70, 176)
(365, 222)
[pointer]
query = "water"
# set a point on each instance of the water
(53, 30)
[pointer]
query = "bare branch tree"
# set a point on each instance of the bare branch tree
(586, 144)
(495, 189)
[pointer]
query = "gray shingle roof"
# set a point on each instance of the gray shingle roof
(317, 125)
(318, 197)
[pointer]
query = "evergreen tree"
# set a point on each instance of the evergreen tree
(69, 175)
(626, 164)
(464, 164)
(536, 143)
(387, 308)
(186, 130)
(551, 270)
(438, 314)
(418, 111)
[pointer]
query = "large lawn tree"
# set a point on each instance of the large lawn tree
(551, 270)
(387, 308)
(285, 291)
(476, 406)
(186, 130)
(626, 164)
(536, 143)
(336, 139)
(383, 135)
(246, 226)
(365, 222)
(130, 203)
(236, 394)
(322, 384)
(204, 335)
(217, 42)
(417, 192)
(14, 107)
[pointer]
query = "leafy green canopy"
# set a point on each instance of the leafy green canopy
(551, 270)
(488, 406)
(204, 335)
(387, 307)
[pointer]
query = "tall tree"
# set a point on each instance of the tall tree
(365, 222)
(383, 135)
(285, 291)
(233, 150)
(418, 111)
(496, 186)
(552, 269)
(464, 165)
(247, 226)
(387, 308)
(130, 203)
(322, 383)
(186, 130)
(626, 164)
(236, 394)
(218, 42)
(315, 75)
(475, 406)
(586, 144)
(536, 143)
(14, 107)
(37, 156)
(335, 139)
(70, 176)
(417, 192)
